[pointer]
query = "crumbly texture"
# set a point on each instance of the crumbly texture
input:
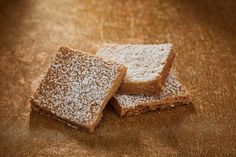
(77, 87)
(148, 66)
(174, 93)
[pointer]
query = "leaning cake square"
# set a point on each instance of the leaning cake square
(77, 87)
(174, 94)
(148, 66)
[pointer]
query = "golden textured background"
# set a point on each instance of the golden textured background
(204, 36)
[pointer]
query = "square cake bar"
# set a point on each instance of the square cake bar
(148, 66)
(173, 94)
(77, 87)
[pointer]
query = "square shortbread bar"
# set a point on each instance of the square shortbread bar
(148, 66)
(173, 94)
(77, 87)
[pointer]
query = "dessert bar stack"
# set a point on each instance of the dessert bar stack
(148, 84)
(135, 78)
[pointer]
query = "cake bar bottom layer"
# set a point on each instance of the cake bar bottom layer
(173, 94)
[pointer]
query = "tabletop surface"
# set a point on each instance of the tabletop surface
(203, 33)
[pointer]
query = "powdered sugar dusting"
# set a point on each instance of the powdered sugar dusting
(144, 62)
(173, 88)
(76, 85)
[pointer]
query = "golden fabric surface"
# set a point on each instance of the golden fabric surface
(203, 33)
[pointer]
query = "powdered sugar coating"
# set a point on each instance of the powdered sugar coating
(76, 85)
(173, 89)
(144, 62)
